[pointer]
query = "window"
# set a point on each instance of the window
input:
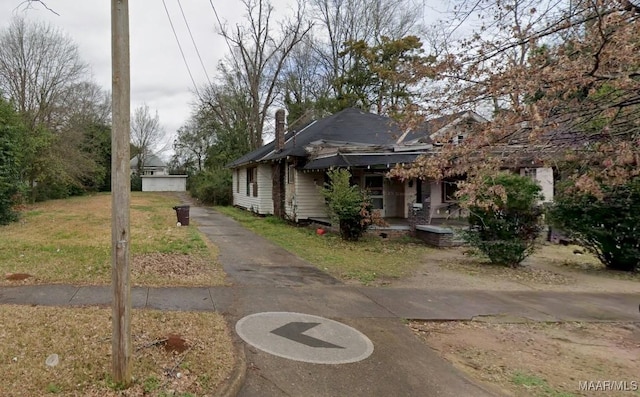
(449, 189)
(423, 191)
(374, 184)
(252, 181)
(355, 180)
(291, 172)
(529, 172)
(237, 180)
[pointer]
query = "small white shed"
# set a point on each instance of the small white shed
(164, 183)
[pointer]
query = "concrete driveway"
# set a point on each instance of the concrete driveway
(267, 278)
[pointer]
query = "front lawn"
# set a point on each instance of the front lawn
(69, 241)
(370, 260)
(67, 351)
(80, 339)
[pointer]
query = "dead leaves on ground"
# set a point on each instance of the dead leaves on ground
(173, 269)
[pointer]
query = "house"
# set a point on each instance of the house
(284, 177)
(155, 175)
(153, 165)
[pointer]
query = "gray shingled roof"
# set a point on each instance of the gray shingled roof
(349, 125)
(361, 160)
(150, 161)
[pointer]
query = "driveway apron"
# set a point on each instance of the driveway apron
(267, 278)
(249, 259)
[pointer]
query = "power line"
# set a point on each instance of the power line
(234, 59)
(226, 39)
(180, 47)
(194, 42)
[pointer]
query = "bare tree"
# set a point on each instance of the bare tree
(88, 102)
(84, 145)
(28, 4)
(258, 53)
(38, 66)
(342, 21)
(147, 135)
(225, 113)
(192, 145)
(504, 41)
(305, 84)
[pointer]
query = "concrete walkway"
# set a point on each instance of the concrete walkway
(340, 301)
(267, 278)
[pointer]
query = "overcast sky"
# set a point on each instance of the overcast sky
(159, 76)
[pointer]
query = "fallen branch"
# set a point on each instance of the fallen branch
(171, 372)
(180, 360)
(154, 343)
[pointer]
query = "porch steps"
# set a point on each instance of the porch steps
(438, 236)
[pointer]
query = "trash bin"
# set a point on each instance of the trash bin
(182, 211)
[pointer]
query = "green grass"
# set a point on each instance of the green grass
(150, 384)
(69, 241)
(536, 386)
(369, 260)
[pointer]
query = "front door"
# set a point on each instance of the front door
(374, 185)
(394, 199)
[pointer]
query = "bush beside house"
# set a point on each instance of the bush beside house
(504, 218)
(212, 187)
(607, 226)
(348, 205)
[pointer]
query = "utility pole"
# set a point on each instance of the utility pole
(121, 349)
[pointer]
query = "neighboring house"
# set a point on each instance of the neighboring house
(153, 165)
(284, 177)
(155, 176)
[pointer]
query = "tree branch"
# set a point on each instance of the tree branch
(28, 4)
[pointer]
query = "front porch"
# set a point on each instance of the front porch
(402, 224)
(441, 232)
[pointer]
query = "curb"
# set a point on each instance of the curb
(233, 384)
(235, 381)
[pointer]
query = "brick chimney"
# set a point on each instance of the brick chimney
(279, 130)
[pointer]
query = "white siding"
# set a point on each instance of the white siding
(265, 189)
(544, 177)
(290, 192)
(166, 183)
(303, 198)
(436, 200)
(263, 204)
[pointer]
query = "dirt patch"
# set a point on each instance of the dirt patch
(17, 276)
(542, 359)
(551, 268)
(534, 359)
(175, 343)
(526, 275)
